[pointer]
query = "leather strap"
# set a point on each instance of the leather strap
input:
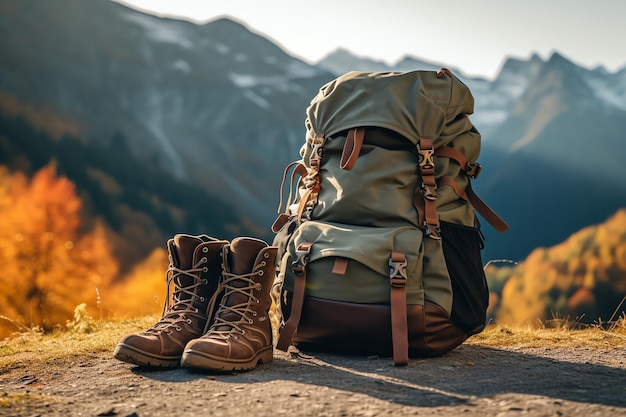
(340, 266)
(298, 267)
(352, 148)
(399, 327)
(283, 217)
(481, 207)
(471, 168)
(429, 187)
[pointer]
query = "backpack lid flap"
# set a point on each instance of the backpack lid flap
(413, 104)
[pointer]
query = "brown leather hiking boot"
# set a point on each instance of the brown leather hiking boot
(194, 271)
(241, 334)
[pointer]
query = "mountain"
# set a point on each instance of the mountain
(214, 105)
(342, 61)
(553, 165)
(125, 100)
(553, 136)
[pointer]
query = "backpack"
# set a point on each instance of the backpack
(379, 244)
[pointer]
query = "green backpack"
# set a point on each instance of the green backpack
(379, 245)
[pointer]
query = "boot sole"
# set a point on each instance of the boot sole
(201, 360)
(130, 354)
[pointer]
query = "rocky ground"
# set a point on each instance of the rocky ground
(472, 380)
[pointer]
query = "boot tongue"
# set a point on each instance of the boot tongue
(241, 257)
(243, 254)
(182, 249)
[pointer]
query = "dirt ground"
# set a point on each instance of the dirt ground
(472, 380)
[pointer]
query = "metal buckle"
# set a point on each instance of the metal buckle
(473, 169)
(316, 151)
(425, 158)
(297, 266)
(397, 272)
(432, 232)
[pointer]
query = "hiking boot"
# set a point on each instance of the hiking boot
(194, 271)
(241, 334)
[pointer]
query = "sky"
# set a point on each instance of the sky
(474, 36)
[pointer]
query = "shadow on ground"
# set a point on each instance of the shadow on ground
(459, 377)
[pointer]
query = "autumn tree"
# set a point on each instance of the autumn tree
(581, 279)
(49, 266)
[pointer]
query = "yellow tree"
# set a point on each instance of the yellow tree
(48, 265)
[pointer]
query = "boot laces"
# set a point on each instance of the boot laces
(179, 309)
(243, 310)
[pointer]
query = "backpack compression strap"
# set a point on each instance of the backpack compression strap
(298, 267)
(399, 326)
(472, 169)
(471, 197)
(429, 187)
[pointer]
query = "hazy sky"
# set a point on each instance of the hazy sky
(474, 36)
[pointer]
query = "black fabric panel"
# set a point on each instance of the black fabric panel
(461, 248)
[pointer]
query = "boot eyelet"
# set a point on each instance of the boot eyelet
(178, 328)
(202, 299)
(205, 269)
(243, 331)
(196, 310)
(261, 273)
(263, 263)
(258, 287)
(205, 249)
(188, 321)
(266, 255)
(254, 313)
(250, 321)
(205, 281)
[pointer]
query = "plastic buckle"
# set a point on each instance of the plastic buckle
(302, 254)
(425, 158)
(397, 272)
(473, 169)
(432, 232)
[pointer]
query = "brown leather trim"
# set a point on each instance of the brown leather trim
(429, 187)
(354, 328)
(444, 71)
(352, 148)
(471, 197)
(340, 266)
(399, 332)
(291, 325)
(452, 153)
(496, 221)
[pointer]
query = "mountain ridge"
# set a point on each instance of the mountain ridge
(219, 106)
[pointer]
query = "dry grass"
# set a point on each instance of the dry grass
(555, 333)
(91, 337)
(65, 344)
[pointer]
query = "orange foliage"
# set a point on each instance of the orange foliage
(48, 266)
(584, 275)
(142, 291)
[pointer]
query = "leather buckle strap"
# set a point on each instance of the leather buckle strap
(477, 203)
(302, 256)
(399, 326)
(426, 162)
(471, 168)
(298, 266)
(397, 271)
